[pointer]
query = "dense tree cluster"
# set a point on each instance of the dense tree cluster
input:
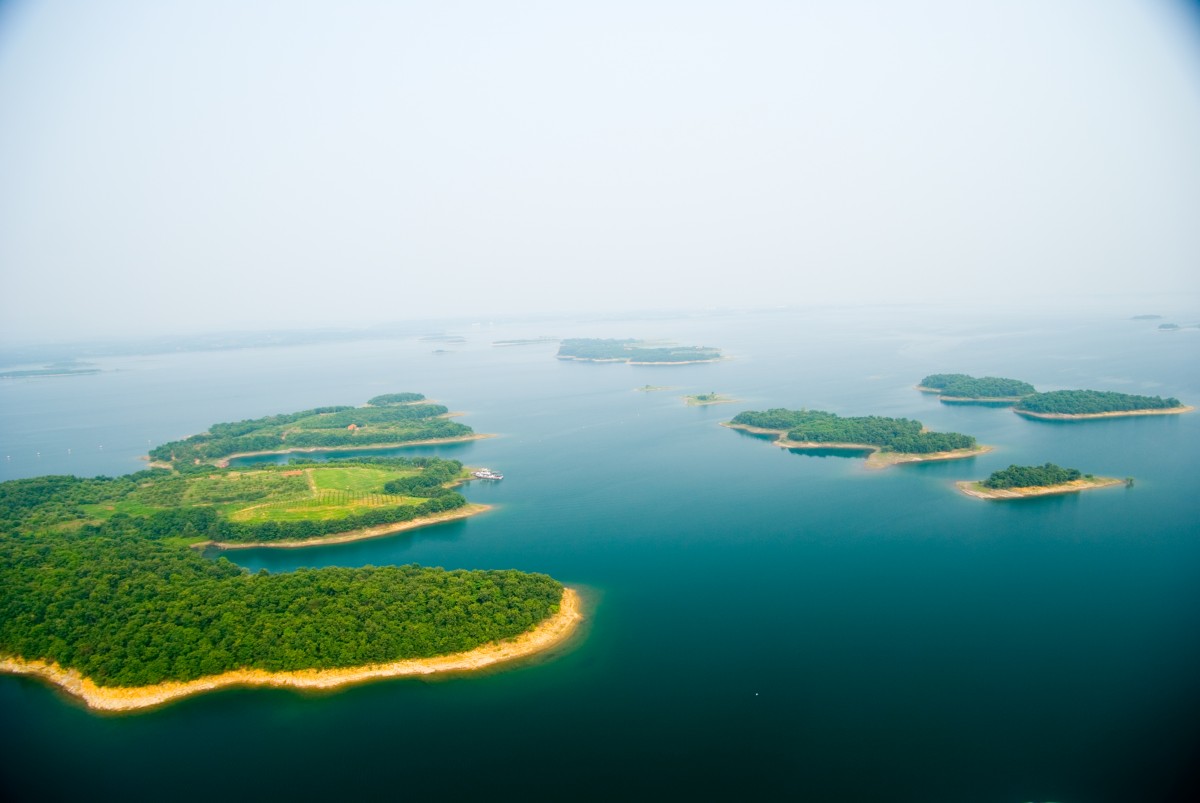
(627, 350)
(890, 434)
(963, 386)
(428, 483)
(388, 422)
(1031, 476)
(1081, 402)
(122, 605)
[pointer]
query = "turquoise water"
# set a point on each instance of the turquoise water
(761, 624)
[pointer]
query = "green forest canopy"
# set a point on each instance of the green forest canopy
(628, 350)
(1082, 402)
(964, 386)
(1031, 476)
(889, 434)
(94, 577)
(392, 418)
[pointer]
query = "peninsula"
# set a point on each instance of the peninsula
(1023, 482)
(966, 389)
(103, 596)
(889, 441)
(1075, 405)
(392, 419)
(634, 352)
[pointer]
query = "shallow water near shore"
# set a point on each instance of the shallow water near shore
(761, 623)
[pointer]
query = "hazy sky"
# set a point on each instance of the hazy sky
(187, 165)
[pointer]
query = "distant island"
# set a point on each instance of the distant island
(1071, 405)
(1146, 318)
(103, 597)
(634, 352)
(1022, 482)
(705, 399)
(654, 388)
(889, 440)
(391, 419)
(966, 389)
(526, 341)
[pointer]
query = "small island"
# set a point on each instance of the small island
(889, 441)
(1024, 482)
(1076, 405)
(390, 419)
(705, 399)
(966, 389)
(634, 352)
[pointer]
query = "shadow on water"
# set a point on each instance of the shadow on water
(816, 451)
(975, 403)
(320, 457)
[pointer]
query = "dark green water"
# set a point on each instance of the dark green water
(761, 624)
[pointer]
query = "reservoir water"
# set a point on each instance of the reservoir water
(761, 624)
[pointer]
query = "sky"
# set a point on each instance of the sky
(206, 165)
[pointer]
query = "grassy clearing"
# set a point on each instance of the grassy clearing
(357, 479)
(314, 492)
(324, 505)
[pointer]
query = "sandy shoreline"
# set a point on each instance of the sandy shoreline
(876, 460)
(551, 632)
(1115, 414)
(974, 489)
(463, 512)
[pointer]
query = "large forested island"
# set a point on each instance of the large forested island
(889, 440)
(392, 419)
(1021, 482)
(100, 593)
(1082, 404)
(635, 352)
(966, 389)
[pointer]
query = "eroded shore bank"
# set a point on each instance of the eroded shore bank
(470, 509)
(979, 491)
(1114, 414)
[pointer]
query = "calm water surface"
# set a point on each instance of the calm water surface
(761, 624)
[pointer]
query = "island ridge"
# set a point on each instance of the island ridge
(391, 419)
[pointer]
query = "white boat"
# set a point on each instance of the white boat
(487, 474)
